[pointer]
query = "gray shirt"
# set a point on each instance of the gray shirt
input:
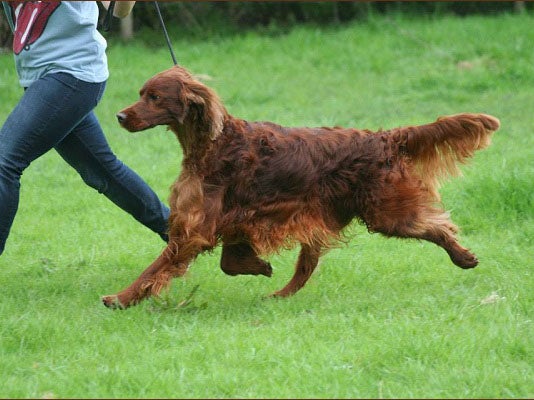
(54, 36)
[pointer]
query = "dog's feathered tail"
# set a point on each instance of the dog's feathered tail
(436, 149)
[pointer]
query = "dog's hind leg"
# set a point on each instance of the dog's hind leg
(434, 226)
(306, 264)
(241, 259)
(440, 230)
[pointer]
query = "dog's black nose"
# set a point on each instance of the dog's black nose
(121, 117)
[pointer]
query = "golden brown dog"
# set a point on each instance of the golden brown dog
(258, 187)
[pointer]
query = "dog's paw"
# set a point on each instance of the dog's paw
(113, 302)
(469, 263)
(267, 270)
(280, 294)
(465, 260)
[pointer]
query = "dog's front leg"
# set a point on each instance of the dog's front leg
(241, 259)
(172, 263)
(156, 277)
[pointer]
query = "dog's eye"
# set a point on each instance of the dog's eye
(153, 97)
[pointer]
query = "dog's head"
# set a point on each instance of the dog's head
(174, 98)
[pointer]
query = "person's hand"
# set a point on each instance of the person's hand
(122, 8)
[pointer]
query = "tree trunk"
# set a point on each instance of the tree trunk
(519, 6)
(127, 27)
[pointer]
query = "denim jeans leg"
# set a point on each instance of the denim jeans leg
(46, 113)
(49, 110)
(86, 149)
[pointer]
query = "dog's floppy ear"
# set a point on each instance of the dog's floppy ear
(180, 105)
(205, 107)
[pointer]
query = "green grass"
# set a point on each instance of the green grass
(379, 318)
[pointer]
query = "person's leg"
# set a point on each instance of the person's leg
(86, 149)
(49, 109)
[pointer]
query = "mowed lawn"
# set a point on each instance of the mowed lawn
(379, 318)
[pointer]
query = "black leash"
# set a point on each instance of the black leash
(169, 45)
(106, 25)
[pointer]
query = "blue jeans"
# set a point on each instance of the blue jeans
(57, 112)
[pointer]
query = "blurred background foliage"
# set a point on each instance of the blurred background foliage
(245, 14)
(205, 18)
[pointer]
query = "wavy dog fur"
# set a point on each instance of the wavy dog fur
(258, 187)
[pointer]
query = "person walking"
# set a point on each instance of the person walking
(61, 64)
